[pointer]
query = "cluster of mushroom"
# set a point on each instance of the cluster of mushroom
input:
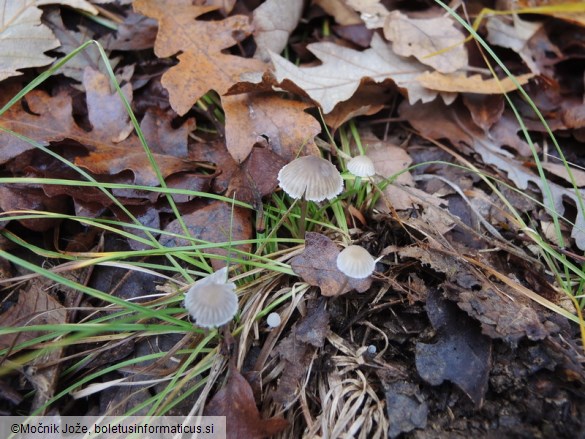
(212, 301)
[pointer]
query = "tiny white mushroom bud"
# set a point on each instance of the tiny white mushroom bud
(355, 261)
(361, 166)
(273, 320)
(212, 301)
(372, 349)
(312, 177)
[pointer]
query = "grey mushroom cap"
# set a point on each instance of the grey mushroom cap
(212, 301)
(361, 166)
(312, 177)
(355, 262)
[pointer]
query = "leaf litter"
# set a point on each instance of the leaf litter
(447, 338)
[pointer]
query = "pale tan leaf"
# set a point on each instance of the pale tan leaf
(371, 12)
(514, 33)
(82, 5)
(274, 21)
(470, 84)
(23, 39)
(559, 170)
(422, 38)
(343, 69)
(343, 14)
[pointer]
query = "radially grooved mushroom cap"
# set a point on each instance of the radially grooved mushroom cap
(355, 261)
(361, 166)
(311, 176)
(212, 301)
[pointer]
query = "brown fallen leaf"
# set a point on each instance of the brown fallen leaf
(212, 224)
(236, 402)
(34, 307)
(253, 117)
(470, 84)
(296, 350)
(202, 64)
(18, 198)
(422, 37)
(317, 266)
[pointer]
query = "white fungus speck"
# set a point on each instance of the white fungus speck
(273, 320)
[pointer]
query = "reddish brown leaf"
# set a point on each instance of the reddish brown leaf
(12, 198)
(317, 266)
(212, 224)
(284, 123)
(236, 402)
(202, 64)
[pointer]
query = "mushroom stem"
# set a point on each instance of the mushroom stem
(303, 218)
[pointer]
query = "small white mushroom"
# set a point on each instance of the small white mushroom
(355, 262)
(311, 177)
(212, 301)
(273, 320)
(372, 349)
(361, 166)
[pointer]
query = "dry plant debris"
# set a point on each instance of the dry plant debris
(466, 328)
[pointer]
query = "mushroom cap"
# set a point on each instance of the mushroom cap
(212, 301)
(361, 166)
(311, 176)
(355, 261)
(273, 319)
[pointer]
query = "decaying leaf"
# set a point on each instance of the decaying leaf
(440, 121)
(202, 64)
(317, 266)
(423, 37)
(212, 224)
(461, 354)
(406, 408)
(236, 402)
(297, 349)
(70, 41)
(343, 70)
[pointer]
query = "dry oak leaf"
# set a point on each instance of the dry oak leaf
(50, 120)
(317, 266)
(71, 40)
(23, 38)
(460, 83)
(236, 402)
(372, 12)
(202, 65)
(343, 70)
(284, 123)
(340, 10)
(423, 37)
